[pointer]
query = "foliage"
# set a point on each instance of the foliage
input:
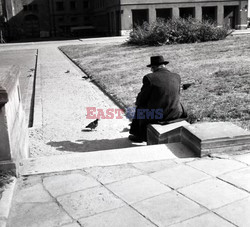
(172, 31)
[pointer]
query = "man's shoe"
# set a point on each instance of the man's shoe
(135, 139)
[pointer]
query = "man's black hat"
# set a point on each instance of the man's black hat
(157, 60)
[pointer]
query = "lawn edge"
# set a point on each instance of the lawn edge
(118, 102)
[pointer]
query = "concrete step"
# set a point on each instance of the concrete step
(48, 164)
(240, 32)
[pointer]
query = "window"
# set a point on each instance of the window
(35, 8)
(85, 4)
(187, 12)
(60, 19)
(30, 7)
(73, 19)
(59, 6)
(25, 8)
(164, 13)
(72, 5)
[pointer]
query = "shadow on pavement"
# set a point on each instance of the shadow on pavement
(93, 145)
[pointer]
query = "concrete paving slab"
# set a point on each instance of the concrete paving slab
(32, 194)
(216, 167)
(62, 184)
(2, 223)
(103, 158)
(215, 137)
(237, 212)
(137, 188)
(243, 158)
(109, 174)
(169, 208)
(122, 217)
(89, 202)
(239, 178)
(150, 167)
(72, 225)
(213, 193)
(37, 214)
(208, 220)
(179, 176)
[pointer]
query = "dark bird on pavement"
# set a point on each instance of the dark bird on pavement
(67, 71)
(186, 86)
(93, 124)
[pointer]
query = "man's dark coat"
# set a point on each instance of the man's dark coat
(160, 90)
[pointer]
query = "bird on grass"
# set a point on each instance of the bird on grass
(93, 124)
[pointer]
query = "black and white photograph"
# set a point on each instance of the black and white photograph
(124, 113)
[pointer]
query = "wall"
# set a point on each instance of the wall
(128, 5)
(13, 127)
(20, 26)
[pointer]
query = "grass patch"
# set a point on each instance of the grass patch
(219, 70)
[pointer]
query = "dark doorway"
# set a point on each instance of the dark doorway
(187, 12)
(209, 14)
(118, 22)
(230, 16)
(31, 26)
(139, 16)
(164, 13)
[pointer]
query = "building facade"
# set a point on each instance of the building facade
(46, 18)
(70, 17)
(61, 18)
(122, 15)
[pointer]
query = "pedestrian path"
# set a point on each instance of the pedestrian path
(63, 97)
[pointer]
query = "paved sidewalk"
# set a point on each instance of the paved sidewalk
(176, 192)
(63, 97)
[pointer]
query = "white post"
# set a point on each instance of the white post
(248, 10)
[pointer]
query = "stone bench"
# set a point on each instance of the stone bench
(215, 137)
(202, 138)
(169, 133)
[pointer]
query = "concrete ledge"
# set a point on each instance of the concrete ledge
(112, 157)
(5, 202)
(7, 84)
(215, 137)
(7, 165)
(170, 133)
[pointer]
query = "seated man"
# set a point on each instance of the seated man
(158, 100)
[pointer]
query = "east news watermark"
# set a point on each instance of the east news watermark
(130, 113)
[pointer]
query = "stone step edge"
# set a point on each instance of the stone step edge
(58, 163)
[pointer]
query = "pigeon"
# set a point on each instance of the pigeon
(93, 124)
(186, 86)
(67, 71)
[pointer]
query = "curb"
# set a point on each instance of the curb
(5, 202)
(110, 96)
